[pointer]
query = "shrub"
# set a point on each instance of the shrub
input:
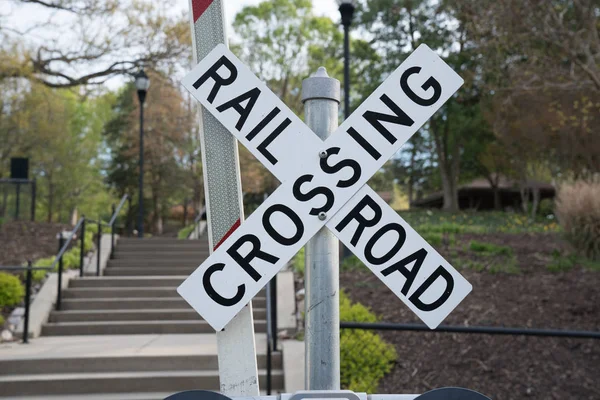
(1, 317)
(489, 248)
(11, 290)
(352, 263)
(89, 241)
(364, 356)
(298, 262)
(185, 232)
(578, 211)
(433, 238)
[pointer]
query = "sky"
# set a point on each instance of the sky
(23, 16)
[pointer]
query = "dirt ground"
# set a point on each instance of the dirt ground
(23, 240)
(501, 367)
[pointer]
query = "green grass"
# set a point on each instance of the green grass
(438, 221)
(562, 263)
(185, 232)
(489, 248)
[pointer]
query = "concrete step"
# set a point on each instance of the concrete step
(119, 382)
(125, 292)
(118, 281)
(136, 303)
(135, 315)
(157, 262)
(137, 363)
(161, 255)
(167, 247)
(156, 271)
(133, 327)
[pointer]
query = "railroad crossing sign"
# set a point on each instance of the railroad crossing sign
(323, 184)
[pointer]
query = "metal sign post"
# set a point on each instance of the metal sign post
(321, 97)
(238, 372)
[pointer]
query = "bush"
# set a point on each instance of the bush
(352, 263)
(578, 211)
(185, 232)
(298, 262)
(1, 319)
(364, 356)
(11, 290)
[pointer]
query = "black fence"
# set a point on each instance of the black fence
(64, 242)
(366, 356)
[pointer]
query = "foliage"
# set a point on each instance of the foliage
(578, 210)
(184, 233)
(352, 263)
(365, 357)
(1, 321)
(428, 221)
(489, 248)
(171, 173)
(11, 290)
(298, 262)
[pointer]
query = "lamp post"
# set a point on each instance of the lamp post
(347, 8)
(142, 83)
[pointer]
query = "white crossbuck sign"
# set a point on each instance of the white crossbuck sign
(323, 183)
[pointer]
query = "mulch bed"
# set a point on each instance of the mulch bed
(23, 240)
(502, 367)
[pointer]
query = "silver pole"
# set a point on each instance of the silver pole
(321, 97)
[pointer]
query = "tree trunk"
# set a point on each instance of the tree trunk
(50, 200)
(535, 191)
(449, 188)
(497, 203)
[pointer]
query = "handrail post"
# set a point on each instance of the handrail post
(112, 233)
(269, 337)
(28, 279)
(61, 242)
(273, 315)
(82, 248)
(99, 247)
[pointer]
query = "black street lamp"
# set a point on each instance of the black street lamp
(142, 83)
(347, 8)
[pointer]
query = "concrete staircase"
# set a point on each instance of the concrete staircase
(128, 334)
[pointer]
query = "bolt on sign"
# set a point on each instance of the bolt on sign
(323, 184)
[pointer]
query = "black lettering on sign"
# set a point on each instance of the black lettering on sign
(400, 118)
(303, 197)
(440, 272)
(363, 222)
(250, 96)
(212, 293)
(256, 252)
(266, 221)
(392, 252)
(364, 144)
(262, 124)
(417, 257)
(213, 72)
(429, 83)
(265, 143)
(332, 169)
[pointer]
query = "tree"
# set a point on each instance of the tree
(88, 42)
(169, 131)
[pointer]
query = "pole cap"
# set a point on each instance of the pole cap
(320, 86)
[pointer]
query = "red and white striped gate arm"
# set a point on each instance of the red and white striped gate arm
(238, 371)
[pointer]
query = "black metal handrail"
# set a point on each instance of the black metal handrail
(488, 330)
(196, 222)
